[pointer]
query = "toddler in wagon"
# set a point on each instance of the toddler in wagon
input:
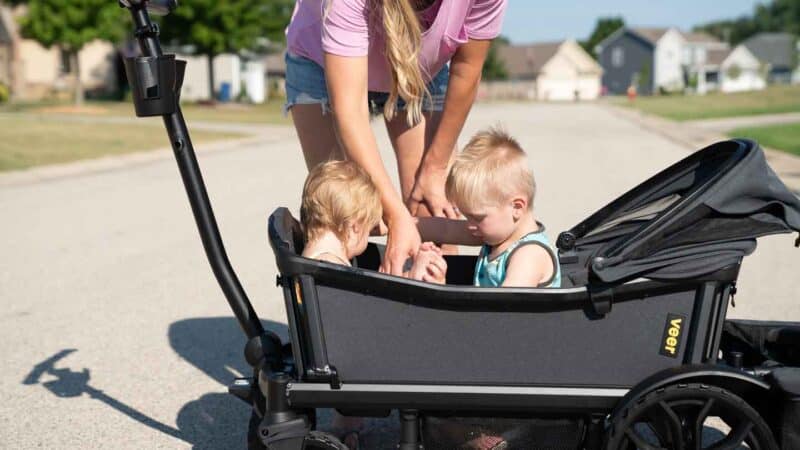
(492, 185)
(340, 207)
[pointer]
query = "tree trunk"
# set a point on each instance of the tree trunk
(211, 93)
(76, 70)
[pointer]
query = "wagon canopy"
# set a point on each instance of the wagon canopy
(696, 217)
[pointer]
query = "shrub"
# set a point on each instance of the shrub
(4, 93)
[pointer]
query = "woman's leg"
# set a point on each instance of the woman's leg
(316, 134)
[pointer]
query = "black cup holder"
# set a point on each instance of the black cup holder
(155, 83)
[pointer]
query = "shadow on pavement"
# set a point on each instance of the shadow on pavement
(214, 345)
(69, 383)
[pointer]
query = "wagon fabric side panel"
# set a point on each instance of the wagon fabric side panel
(372, 339)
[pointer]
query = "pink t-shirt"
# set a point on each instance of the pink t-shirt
(345, 31)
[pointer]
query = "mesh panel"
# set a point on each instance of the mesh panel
(440, 433)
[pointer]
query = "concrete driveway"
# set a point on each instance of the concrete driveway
(114, 334)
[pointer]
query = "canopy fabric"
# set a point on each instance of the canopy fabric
(698, 216)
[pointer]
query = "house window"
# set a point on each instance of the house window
(617, 56)
(65, 66)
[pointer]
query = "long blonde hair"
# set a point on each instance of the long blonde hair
(402, 35)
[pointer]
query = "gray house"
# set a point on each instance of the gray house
(649, 59)
(780, 52)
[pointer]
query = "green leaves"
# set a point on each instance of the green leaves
(778, 15)
(604, 28)
(70, 24)
(215, 27)
(493, 67)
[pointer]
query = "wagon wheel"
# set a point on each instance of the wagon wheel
(315, 440)
(672, 418)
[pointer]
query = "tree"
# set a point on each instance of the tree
(212, 27)
(71, 24)
(604, 28)
(494, 68)
(778, 15)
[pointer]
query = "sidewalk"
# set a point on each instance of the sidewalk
(695, 135)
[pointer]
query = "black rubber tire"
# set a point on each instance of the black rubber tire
(315, 440)
(713, 399)
(318, 440)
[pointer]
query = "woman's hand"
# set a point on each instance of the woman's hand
(428, 191)
(403, 242)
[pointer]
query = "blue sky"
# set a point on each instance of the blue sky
(546, 20)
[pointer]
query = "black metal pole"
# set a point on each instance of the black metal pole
(147, 35)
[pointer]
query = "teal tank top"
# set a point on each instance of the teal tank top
(492, 272)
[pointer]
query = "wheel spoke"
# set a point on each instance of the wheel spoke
(752, 442)
(735, 438)
(639, 442)
(675, 427)
(698, 424)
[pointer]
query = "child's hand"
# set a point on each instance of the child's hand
(429, 265)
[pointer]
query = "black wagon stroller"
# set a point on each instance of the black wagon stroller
(633, 352)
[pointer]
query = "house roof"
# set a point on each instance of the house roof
(700, 37)
(526, 61)
(716, 57)
(650, 34)
(777, 49)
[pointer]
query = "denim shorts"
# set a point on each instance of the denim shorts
(305, 85)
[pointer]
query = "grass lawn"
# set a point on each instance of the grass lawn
(31, 141)
(775, 99)
(784, 137)
(270, 113)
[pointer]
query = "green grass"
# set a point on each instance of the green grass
(775, 99)
(784, 137)
(29, 141)
(267, 113)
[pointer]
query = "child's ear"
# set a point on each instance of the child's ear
(519, 205)
(354, 227)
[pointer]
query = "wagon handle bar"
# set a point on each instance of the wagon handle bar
(147, 35)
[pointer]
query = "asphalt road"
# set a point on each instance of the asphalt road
(114, 334)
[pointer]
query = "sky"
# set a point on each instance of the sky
(547, 20)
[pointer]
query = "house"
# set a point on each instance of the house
(34, 72)
(648, 58)
(780, 52)
(702, 56)
(555, 71)
(727, 70)
(740, 70)
(276, 73)
(7, 53)
(238, 77)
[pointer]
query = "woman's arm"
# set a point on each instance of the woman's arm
(446, 231)
(462, 88)
(347, 86)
